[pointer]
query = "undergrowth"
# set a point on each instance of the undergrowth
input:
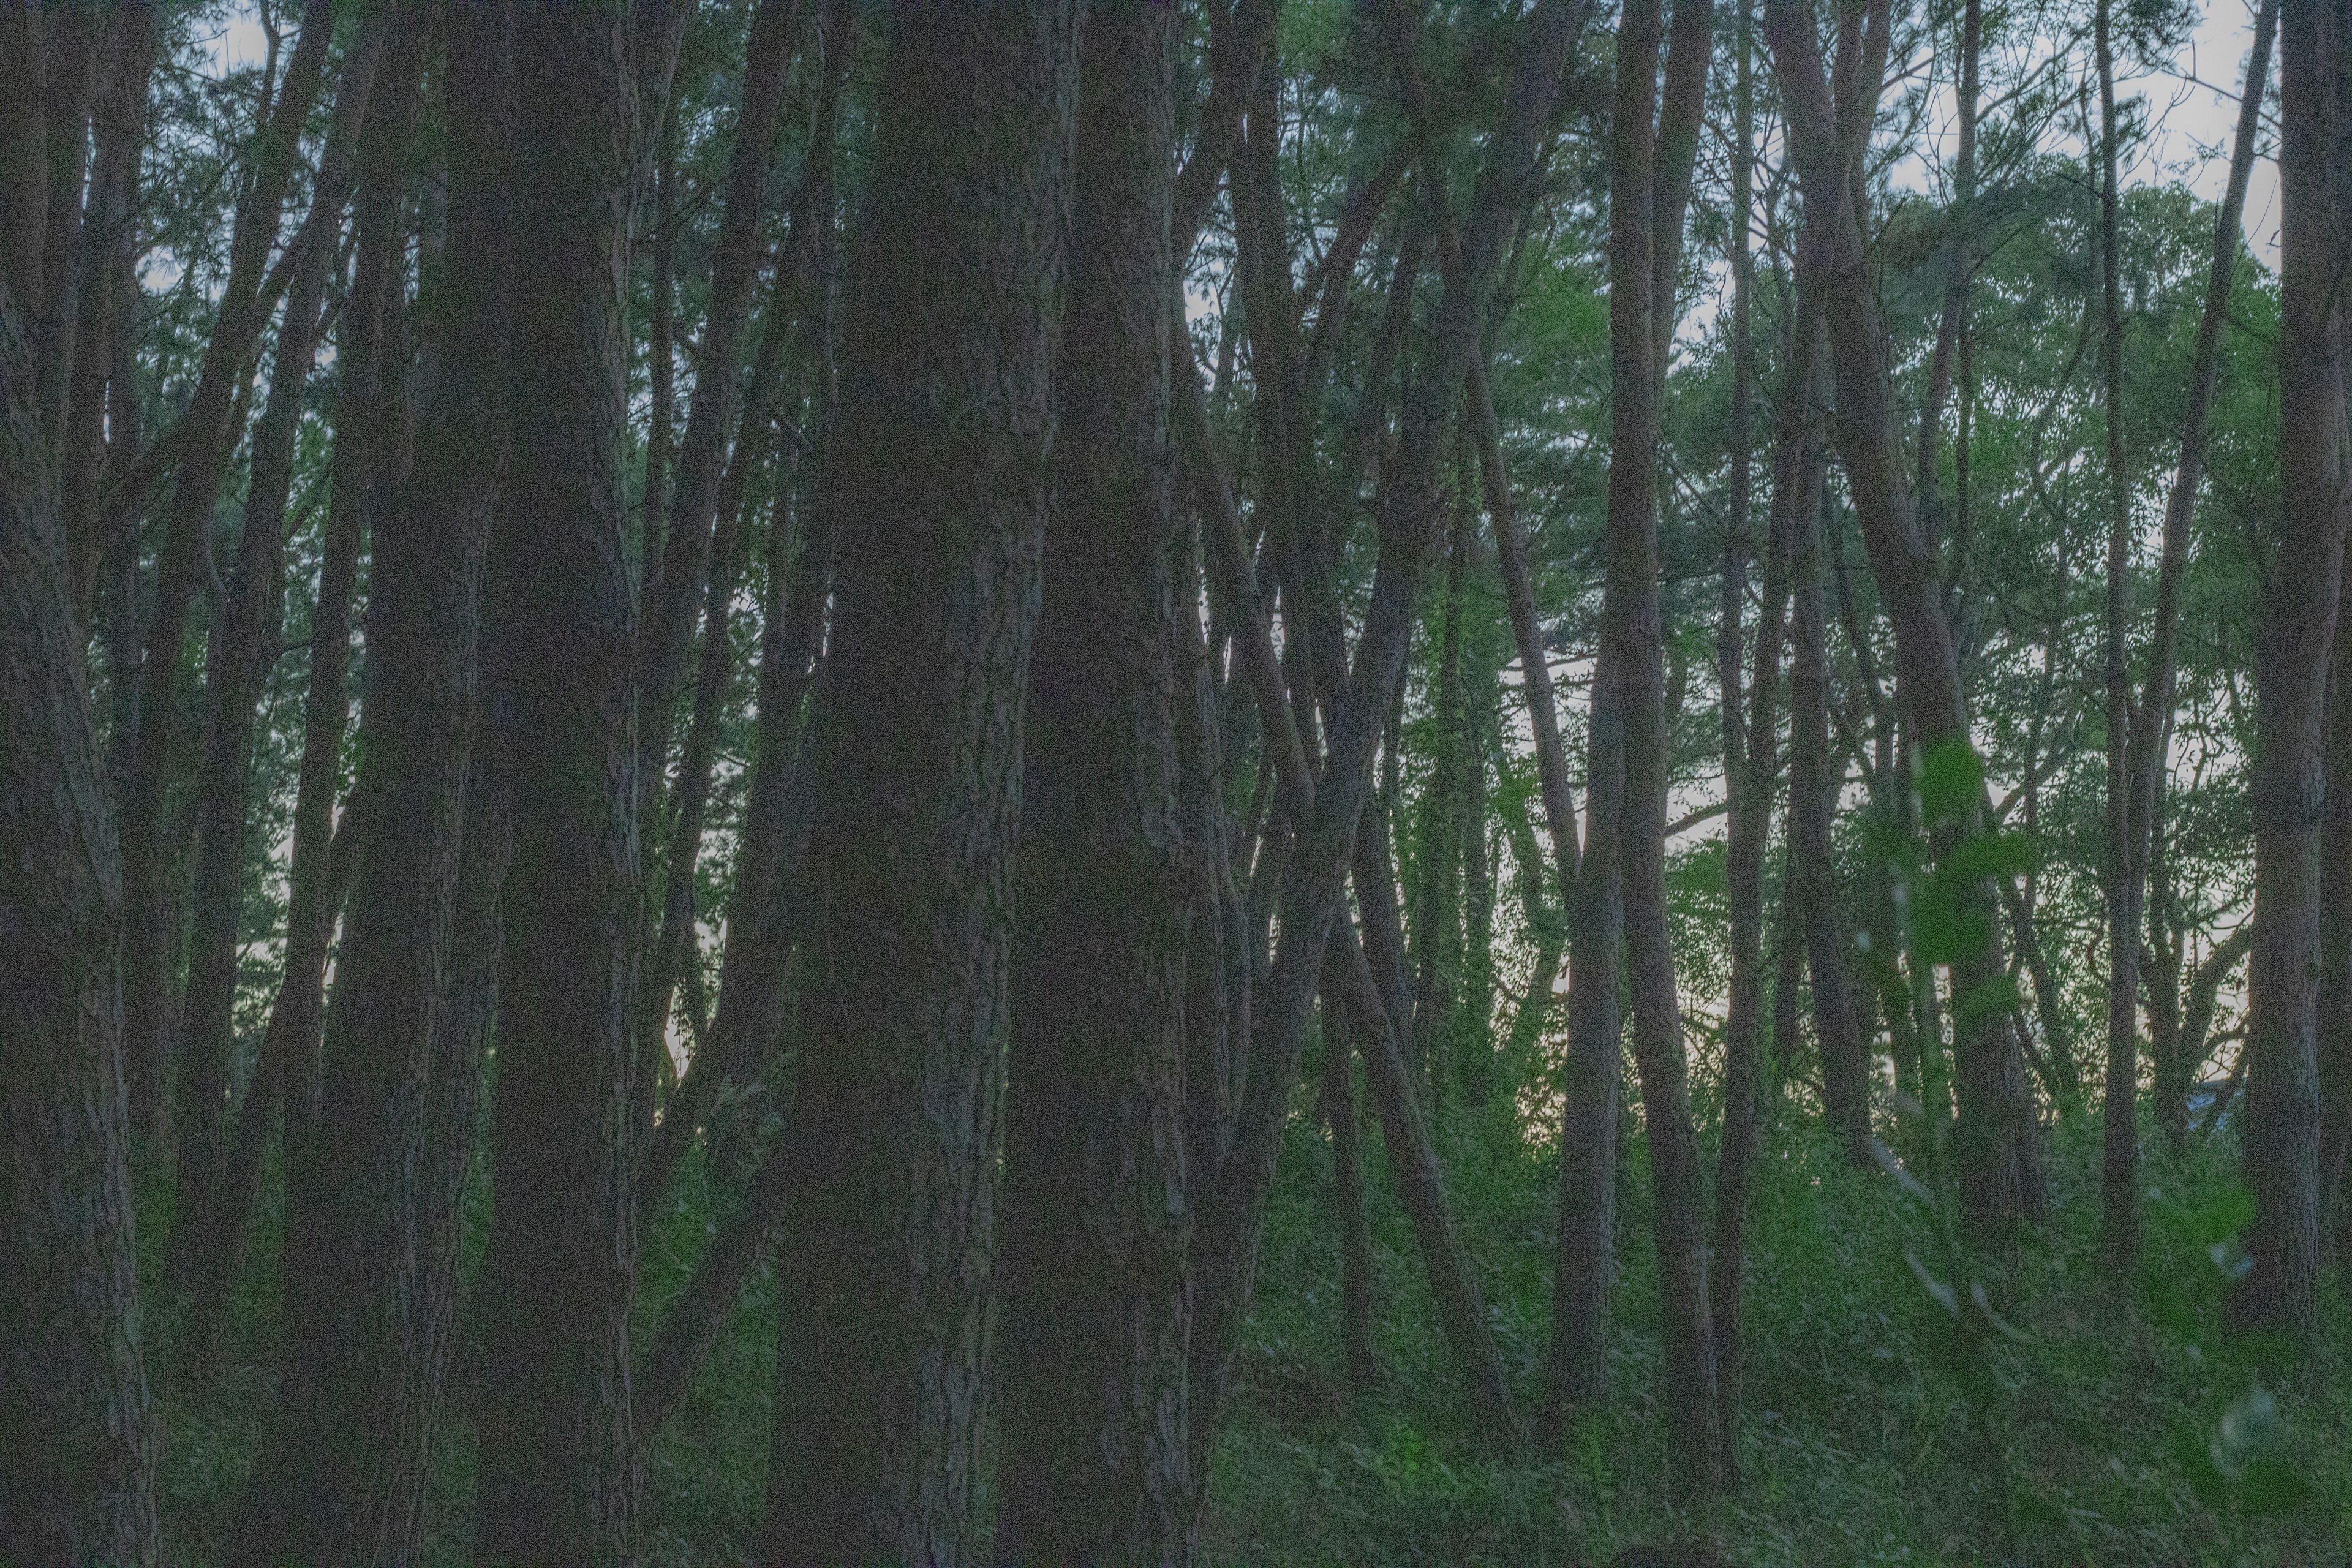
(1855, 1445)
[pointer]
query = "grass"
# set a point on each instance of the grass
(1853, 1444)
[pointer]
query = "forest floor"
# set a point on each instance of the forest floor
(1854, 1441)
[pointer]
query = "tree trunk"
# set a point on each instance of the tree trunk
(2119, 1169)
(937, 469)
(1747, 769)
(1436, 925)
(119, 126)
(1311, 877)
(661, 368)
(1576, 1365)
(2289, 773)
(235, 670)
(342, 1474)
(206, 434)
(325, 849)
(556, 1449)
(1096, 1302)
(1359, 1345)
(734, 269)
(1997, 1141)
(77, 1439)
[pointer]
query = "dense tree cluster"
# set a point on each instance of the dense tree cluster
(928, 631)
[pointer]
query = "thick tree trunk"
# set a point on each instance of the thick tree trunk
(937, 470)
(661, 368)
(554, 1481)
(206, 434)
(77, 1440)
(342, 1475)
(1094, 1457)
(233, 673)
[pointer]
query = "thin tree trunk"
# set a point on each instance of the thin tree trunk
(554, 1483)
(342, 1475)
(77, 1439)
(1997, 1141)
(734, 269)
(325, 850)
(1576, 1365)
(1094, 1457)
(2119, 1169)
(2281, 1139)
(236, 668)
(1747, 769)
(1436, 925)
(661, 369)
(1632, 624)
(1311, 879)
(206, 435)
(1358, 1348)
(889, 1222)
(119, 123)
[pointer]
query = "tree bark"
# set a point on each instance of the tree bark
(119, 126)
(556, 1448)
(1632, 626)
(207, 435)
(77, 1439)
(341, 1477)
(1997, 1141)
(1358, 1330)
(2119, 1168)
(1747, 769)
(1095, 1301)
(2289, 773)
(937, 470)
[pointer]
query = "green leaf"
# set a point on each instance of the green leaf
(1993, 998)
(1989, 855)
(1952, 781)
(2205, 1478)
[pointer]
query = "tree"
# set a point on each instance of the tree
(76, 1436)
(557, 1449)
(2289, 776)
(889, 1225)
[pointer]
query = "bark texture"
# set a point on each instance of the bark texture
(937, 469)
(77, 1440)
(1096, 1301)
(342, 1475)
(2289, 780)
(556, 1445)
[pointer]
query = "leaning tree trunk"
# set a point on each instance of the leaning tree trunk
(342, 1475)
(1093, 1458)
(205, 435)
(1997, 1141)
(2289, 772)
(936, 469)
(77, 1439)
(237, 668)
(323, 854)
